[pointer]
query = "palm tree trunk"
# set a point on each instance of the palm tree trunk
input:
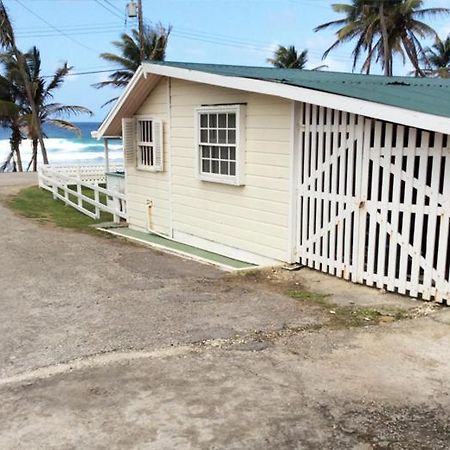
(7, 161)
(36, 122)
(412, 55)
(15, 140)
(385, 37)
(33, 161)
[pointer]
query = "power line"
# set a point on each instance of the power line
(108, 9)
(66, 27)
(113, 6)
(55, 28)
(90, 72)
(70, 32)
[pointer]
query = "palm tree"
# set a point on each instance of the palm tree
(11, 104)
(48, 111)
(155, 40)
(8, 42)
(383, 29)
(289, 58)
(437, 59)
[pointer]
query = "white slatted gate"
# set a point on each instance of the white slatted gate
(374, 202)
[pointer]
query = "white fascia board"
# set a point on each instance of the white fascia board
(352, 105)
(98, 134)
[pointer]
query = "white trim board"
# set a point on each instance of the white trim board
(224, 250)
(353, 105)
(356, 106)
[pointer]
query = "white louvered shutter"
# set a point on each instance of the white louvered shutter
(129, 141)
(157, 133)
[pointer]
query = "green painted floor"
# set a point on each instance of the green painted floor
(213, 258)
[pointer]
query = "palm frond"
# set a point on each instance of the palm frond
(65, 125)
(67, 110)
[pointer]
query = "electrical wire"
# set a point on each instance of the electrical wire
(90, 72)
(55, 28)
(108, 9)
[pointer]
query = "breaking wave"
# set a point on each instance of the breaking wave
(67, 151)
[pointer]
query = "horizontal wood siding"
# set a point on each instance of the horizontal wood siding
(253, 217)
(144, 186)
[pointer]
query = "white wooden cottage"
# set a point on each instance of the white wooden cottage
(348, 174)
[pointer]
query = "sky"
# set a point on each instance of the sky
(211, 31)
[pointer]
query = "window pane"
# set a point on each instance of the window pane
(214, 166)
(203, 135)
(203, 120)
(222, 136)
(224, 167)
(149, 131)
(222, 120)
(232, 168)
(233, 153)
(215, 152)
(206, 151)
(213, 121)
(224, 153)
(212, 136)
(205, 166)
(232, 120)
(231, 137)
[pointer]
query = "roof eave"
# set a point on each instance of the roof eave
(106, 130)
(367, 108)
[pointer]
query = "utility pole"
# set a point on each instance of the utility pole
(133, 12)
(141, 30)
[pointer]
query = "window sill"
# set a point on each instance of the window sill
(147, 169)
(233, 181)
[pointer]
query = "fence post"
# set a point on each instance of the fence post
(80, 193)
(116, 206)
(54, 187)
(97, 200)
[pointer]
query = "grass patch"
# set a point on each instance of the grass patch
(38, 204)
(312, 297)
(349, 316)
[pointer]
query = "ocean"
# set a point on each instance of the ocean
(64, 147)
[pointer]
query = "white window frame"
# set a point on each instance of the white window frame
(240, 111)
(139, 165)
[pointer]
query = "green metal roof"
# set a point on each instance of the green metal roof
(427, 95)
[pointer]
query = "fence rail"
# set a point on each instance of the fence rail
(71, 184)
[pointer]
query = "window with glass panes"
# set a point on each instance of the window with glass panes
(217, 142)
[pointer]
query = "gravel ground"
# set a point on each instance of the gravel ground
(104, 344)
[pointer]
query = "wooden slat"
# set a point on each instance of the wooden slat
(397, 169)
(375, 158)
(418, 217)
(385, 163)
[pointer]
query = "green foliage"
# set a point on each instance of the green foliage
(129, 59)
(348, 316)
(43, 92)
(382, 29)
(289, 58)
(38, 204)
(437, 59)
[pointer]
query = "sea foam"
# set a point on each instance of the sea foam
(66, 151)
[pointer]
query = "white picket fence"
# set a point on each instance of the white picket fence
(66, 183)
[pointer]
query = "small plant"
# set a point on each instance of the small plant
(347, 316)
